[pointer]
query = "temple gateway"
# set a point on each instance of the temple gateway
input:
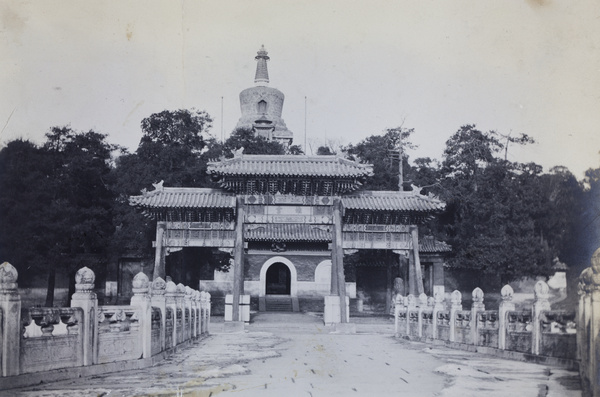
(289, 221)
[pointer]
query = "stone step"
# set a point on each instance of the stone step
(278, 304)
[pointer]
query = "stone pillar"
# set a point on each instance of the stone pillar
(10, 320)
(477, 306)
(158, 300)
(160, 253)
(438, 305)
(141, 299)
(438, 276)
(505, 306)
(238, 259)
(541, 293)
(171, 303)
(86, 299)
(414, 232)
(455, 306)
(412, 279)
(338, 255)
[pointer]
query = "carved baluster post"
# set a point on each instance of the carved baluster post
(399, 300)
(410, 303)
(188, 306)
(422, 306)
(181, 306)
(588, 325)
(196, 323)
(198, 301)
(86, 299)
(477, 306)
(456, 305)
(208, 311)
(541, 304)
(160, 253)
(141, 299)
(438, 305)
(202, 312)
(158, 300)
(505, 306)
(10, 320)
(171, 303)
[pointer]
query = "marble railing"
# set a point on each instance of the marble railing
(538, 330)
(160, 316)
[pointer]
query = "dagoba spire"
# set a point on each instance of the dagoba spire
(262, 74)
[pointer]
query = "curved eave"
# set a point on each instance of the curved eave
(403, 202)
(192, 198)
(290, 166)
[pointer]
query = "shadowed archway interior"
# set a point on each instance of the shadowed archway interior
(278, 279)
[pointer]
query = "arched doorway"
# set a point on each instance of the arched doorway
(292, 276)
(278, 279)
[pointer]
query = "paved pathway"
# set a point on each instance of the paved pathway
(295, 355)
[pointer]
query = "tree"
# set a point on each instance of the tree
(497, 211)
(177, 127)
(252, 143)
(57, 201)
(378, 150)
(324, 151)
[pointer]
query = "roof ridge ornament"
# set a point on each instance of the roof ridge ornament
(158, 186)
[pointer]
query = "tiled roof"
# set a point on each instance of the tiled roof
(289, 165)
(430, 245)
(392, 201)
(172, 197)
(286, 232)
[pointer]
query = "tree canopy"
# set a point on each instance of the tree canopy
(57, 201)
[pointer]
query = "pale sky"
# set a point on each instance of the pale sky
(523, 66)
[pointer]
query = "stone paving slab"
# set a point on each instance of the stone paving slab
(311, 361)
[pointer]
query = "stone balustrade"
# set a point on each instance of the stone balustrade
(588, 327)
(160, 316)
(539, 330)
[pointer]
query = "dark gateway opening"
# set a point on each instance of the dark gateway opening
(278, 279)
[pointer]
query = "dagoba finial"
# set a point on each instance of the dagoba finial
(262, 74)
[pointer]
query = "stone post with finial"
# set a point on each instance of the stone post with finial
(438, 306)
(541, 293)
(141, 299)
(506, 306)
(10, 320)
(171, 304)
(588, 327)
(455, 306)
(158, 300)
(85, 298)
(187, 301)
(477, 306)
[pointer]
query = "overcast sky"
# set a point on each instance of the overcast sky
(523, 66)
